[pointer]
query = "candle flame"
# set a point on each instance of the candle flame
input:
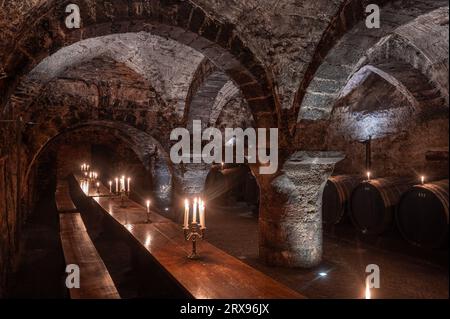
(148, 203)
(368, 294)
(422, 178)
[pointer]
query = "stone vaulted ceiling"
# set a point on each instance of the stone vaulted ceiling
(289, 58)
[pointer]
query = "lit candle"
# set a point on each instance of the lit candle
(194, 216)
(129, 180)
(368, 294)
(368, 175)
(117, 184)
(202, 214)
(110, 186)
(186, 213)
(148, 206)
(222, 165)
(422, 179)
(122, 184)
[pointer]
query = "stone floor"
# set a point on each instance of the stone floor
(404, 273)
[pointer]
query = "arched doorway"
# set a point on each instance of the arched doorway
(232, 195)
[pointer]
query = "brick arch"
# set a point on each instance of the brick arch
(179, 20)
(340, 51)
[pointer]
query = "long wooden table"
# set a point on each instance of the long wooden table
(216, 275)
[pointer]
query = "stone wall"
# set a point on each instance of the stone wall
(402, 137)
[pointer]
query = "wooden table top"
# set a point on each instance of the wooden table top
(216, 275)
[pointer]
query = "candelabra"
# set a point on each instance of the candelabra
(124, 195)
(194, 233)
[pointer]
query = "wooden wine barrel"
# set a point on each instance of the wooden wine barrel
(336, 194)
(219, 183)
(373, 203)
(422, 215)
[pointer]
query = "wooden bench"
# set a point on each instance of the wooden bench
(64, 202)
(95, 281)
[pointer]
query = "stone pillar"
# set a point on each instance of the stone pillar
(290, 210)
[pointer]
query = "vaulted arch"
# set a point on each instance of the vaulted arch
(178, 20)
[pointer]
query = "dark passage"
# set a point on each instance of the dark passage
(40, 273)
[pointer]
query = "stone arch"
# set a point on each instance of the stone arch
(164, 73)
(204, 70)
(202, 103)
(413, 44)
(396, 74)
(227, 93)
(335, 61)
(79, 96)
(178, 20)
(141, 143)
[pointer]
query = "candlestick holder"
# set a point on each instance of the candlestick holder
(194, 233)
(124, 195)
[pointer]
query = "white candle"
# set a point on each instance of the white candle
(194, 216)
(368, 294)
(148, 206)
(110, 186)
(202, 214)
(129, 180)
(117, 185)
(422, 178)
(186, 213)
(368, 176)
(122, 184)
